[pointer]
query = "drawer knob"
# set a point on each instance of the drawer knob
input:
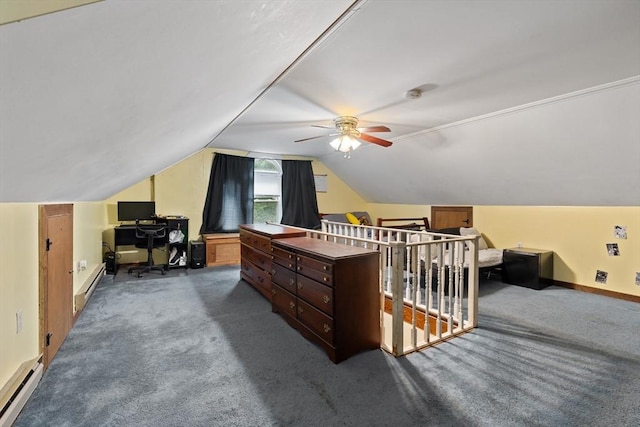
(325, 299)
(299, 268)
(290, 265)
(300, 310)
(326, 328)
(292, 282)
(299, 285)
(325, 268)
(273, 292)
(325, 278)
(273, 272)
(292, 305)
(290, 256)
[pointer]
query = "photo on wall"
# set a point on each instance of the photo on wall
(601, 276)
(613, 249)
(620, 231)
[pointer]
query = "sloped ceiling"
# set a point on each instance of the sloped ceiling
(99, 97)
(524, 102)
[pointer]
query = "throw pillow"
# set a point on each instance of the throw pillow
(352, 218)
(471, 231)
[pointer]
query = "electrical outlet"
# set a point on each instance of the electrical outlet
(83, 264)
(18, 321)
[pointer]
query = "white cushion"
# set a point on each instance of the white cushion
(471, 231)
(489, 257)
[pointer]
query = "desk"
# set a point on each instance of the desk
(125, 235)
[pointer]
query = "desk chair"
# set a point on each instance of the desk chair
(153, 235)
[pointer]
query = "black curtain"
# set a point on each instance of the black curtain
(299, 202)
(229, 200)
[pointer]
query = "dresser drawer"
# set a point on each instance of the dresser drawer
(255, 241)
(283, 301)
(315, 320)
(315, 264)
(284, 257)
(259, 277)
(283, 277)
(258, 258)
(319, 295)
(285, 262)
(317, 270)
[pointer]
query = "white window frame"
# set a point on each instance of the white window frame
(276, 184)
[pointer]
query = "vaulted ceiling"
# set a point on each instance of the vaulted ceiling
(523, 102)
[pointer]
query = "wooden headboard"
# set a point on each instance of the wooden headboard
(420, 223)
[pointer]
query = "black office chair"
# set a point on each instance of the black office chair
(154, 235)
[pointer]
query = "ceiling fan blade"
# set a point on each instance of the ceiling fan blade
(374, 140)
(375, 129)
(323, 127)
(313, 137)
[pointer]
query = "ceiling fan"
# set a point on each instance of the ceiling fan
(348, 135)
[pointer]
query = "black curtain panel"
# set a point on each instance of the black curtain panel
(299, 202)
(229, 200)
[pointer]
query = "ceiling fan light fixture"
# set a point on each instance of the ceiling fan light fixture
(350, 136)
(345, 144)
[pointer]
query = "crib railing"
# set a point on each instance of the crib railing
(428, 282)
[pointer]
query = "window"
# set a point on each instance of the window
(267, 190)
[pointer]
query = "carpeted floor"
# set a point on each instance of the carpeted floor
(202, 348)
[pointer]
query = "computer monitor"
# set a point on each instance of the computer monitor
(131, 211)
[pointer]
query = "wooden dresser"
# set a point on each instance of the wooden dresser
(328, 292)
(255, 253)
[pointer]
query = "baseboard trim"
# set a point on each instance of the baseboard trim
(85, 292)
(598, 291)
(16, 392)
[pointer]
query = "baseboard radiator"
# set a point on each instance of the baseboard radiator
(18, 390)
(85, 292)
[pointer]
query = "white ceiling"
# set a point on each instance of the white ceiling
(96, 98)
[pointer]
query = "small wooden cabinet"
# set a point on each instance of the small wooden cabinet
(222, 249)
(255, 253)
(531, 268)
(329, 293)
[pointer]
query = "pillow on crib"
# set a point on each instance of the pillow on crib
(471, 231)
(352, 218)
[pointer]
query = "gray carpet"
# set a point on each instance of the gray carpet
(201, 348)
